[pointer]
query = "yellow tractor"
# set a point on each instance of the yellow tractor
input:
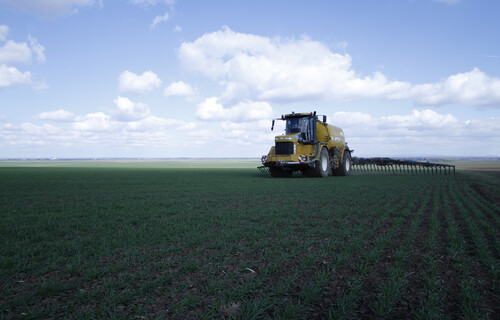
(310, 146)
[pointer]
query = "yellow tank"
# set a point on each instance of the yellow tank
(310, 146)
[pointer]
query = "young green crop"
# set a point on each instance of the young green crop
(162, 241)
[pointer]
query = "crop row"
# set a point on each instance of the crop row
(214, 243)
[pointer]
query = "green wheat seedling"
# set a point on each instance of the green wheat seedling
(468, 288)
(482, 249)
(433, 294)
(345, 304)
(479, 202)
(390, 291)
(158, 242)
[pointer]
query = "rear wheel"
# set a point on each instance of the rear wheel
(345, 166)
(323, 165)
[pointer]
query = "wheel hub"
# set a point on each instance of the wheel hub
(324, 163)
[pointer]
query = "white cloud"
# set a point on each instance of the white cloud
(128, 118)
(423, 132)
(10, 76)
(473, 88)
(130, 111)
(58, 115)
(177, 28)
(211, 109)
(159, 19)
(4, 30)
(420, 122)
(51, 8)
(263, 69)
(98, 121)
(280, 70)
(484, 128)
(179, 89)
(131, 82)
(129, 124)
(43, 130)
(37, 48)
(15, 52)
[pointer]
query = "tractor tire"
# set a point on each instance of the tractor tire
(279, 173)
(322, 167)
(345, 166)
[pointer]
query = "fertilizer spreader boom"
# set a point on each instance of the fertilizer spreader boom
(388, 165)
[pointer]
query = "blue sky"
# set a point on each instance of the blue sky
(185, 78)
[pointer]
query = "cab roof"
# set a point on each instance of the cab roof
(296, 115)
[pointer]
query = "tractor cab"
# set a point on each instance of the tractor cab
(300, 127)
(305, 126)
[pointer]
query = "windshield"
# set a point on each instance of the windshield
(297, 125)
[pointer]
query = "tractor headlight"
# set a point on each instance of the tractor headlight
(264, 159)
(303, 158)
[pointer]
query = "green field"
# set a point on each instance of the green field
(157, 240)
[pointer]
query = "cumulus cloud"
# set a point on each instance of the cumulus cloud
(130, 111)
(421, 122)
(12, 53)
(129, 123)
(10, 76)
(259, 68)
(15, 52)
(179, 89)
(51, 8)
(211, 109)
(419, 133)
(280, 70)
(128, 116)
(19, 52)
(97, 121)
(131, 82)
(58, 116)
(473, 88)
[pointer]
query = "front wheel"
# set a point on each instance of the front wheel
(323, 165)
(345, 165)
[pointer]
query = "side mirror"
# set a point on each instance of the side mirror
(324, 119)
(272, 126)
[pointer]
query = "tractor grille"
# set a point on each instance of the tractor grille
(284, 147)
